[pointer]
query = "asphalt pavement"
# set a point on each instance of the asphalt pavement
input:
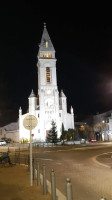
(68, 161)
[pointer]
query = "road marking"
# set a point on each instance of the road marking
(94, 159)
(58, 163)
(45, 159)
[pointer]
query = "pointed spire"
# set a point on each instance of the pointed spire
(62, 94)
(20, 111)
(46, 44)
(32, 94)
(71, 109)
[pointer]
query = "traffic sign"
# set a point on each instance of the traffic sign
(30, 122)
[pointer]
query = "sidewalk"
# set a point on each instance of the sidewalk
(15, 185)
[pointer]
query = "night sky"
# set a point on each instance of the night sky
(82, 39)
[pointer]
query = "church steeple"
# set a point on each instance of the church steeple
(46, 48)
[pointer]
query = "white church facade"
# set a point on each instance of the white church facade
(49, 104)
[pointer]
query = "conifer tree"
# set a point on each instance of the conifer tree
(63, 133)
(52, 135)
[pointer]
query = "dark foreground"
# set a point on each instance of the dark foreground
(14, 184)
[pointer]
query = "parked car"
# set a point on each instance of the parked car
(7, 140)
(2, 143)
(92, 140)
(82, 140)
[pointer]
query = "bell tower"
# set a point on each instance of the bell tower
(47, 82)
(46, 63)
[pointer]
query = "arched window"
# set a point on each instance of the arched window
(47, 55)
(46, 44)
(48, 77)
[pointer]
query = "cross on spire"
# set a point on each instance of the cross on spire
(44, 24)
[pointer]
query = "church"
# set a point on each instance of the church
(49, 104)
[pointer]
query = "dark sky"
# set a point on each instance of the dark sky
(82, 38)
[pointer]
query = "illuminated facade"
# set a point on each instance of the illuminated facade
(49, 104)
(102, 126)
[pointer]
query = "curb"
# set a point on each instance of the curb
(59, 194)
(94, 159)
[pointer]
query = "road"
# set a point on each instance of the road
(89, 180)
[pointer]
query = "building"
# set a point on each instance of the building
(49, 104)
(98, 126)
(10, 131)
(102, 126)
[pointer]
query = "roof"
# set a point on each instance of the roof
(46, 44)
(12, 126)
(62, 94)
(32, 94)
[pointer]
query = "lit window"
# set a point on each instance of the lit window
(46, 44)
(48, 74)
(47, 55)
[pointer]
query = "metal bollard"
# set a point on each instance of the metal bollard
(33, 169)
(28, 163)
(19, 155)
(25, 160)
(44, 180)
(53, 185)
(15, 157)
(38, 174)
(35, 173)
(68, 189)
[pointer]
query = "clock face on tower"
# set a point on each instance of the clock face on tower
(48, 91)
